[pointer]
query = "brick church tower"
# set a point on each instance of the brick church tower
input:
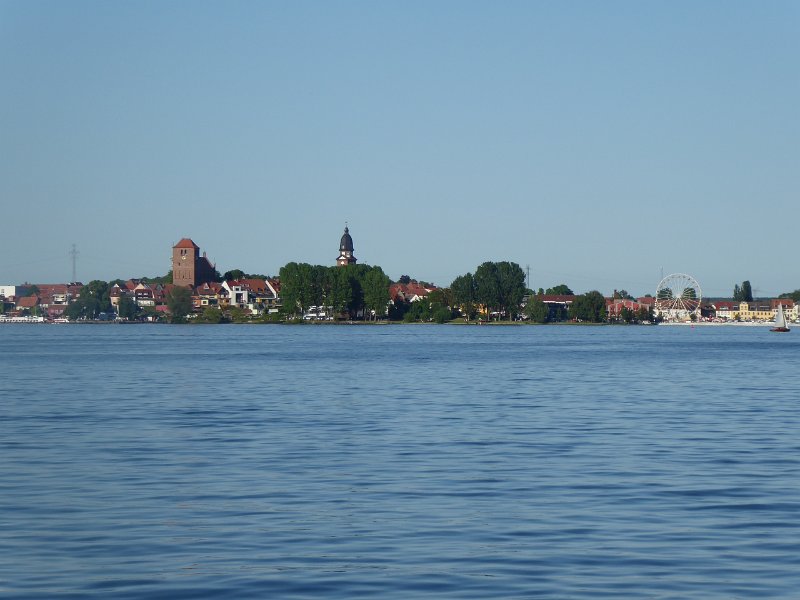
(189, 269)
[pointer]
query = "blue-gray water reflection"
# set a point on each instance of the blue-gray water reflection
(399, 461)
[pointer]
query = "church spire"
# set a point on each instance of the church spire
(346, 249)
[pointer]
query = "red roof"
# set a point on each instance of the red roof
(186, 243)
(257, 286)
(28, 301)
(210, 289)
(725, 305)
(408, 290)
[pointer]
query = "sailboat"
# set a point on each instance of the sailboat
(780, 321)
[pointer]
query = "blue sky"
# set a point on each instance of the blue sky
(598, 143)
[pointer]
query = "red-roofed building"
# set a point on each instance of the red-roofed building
(409, 292)
(255, 295)
(210, 294)
(615, 306)
(28, 302)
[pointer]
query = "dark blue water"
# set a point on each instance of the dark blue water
(399, 461)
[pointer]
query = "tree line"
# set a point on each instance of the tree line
(349, 290)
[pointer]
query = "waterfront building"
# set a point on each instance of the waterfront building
(346, 250)
(189, 268)
(254, 295)
(14, 291)
(409, 292)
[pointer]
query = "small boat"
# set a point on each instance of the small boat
(780, 321)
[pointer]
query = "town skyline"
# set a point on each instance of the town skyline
(74, 253)
(596, 144)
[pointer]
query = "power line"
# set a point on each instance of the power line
(74, 254)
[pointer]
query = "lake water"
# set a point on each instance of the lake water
(399, 462)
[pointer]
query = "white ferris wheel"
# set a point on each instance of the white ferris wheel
(678, 297)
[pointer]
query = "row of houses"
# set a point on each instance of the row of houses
(255, 296)
(755, 310)
(48, 300)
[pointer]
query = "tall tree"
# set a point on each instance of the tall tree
(589, 307)
(376, 291)
(297, 287)
(487, 287)
(511, 283)
(341, 295)
(747, 291)
(536, 310)
(500, 286)
(179, 303)
(743, 293)
(463, 292)
(559, 290)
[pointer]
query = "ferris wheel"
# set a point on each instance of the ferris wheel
(678, 296)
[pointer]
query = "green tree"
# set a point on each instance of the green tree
(536, 310)
(298, 287)
(127, 308)
(511, 286)
(743, 293)
(560, 290)
(623, 295)
(290, 288)
(93, 299)
(398, 309)
(500, 286)
(665, 294)
(238, 315)
(179, 303)
(589, 307)
(234, 274)
(747, 291)
(404, 279)
(376, 291)
(342, 293)
(442, 297)
(795, 295)
(419, 311)
(211, 314)
(441, 314)
(487, 287)
(463, 292)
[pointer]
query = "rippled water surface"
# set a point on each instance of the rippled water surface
(399, 461)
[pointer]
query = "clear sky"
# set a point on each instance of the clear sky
(597, 142)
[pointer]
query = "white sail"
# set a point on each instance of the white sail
(780, 319)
